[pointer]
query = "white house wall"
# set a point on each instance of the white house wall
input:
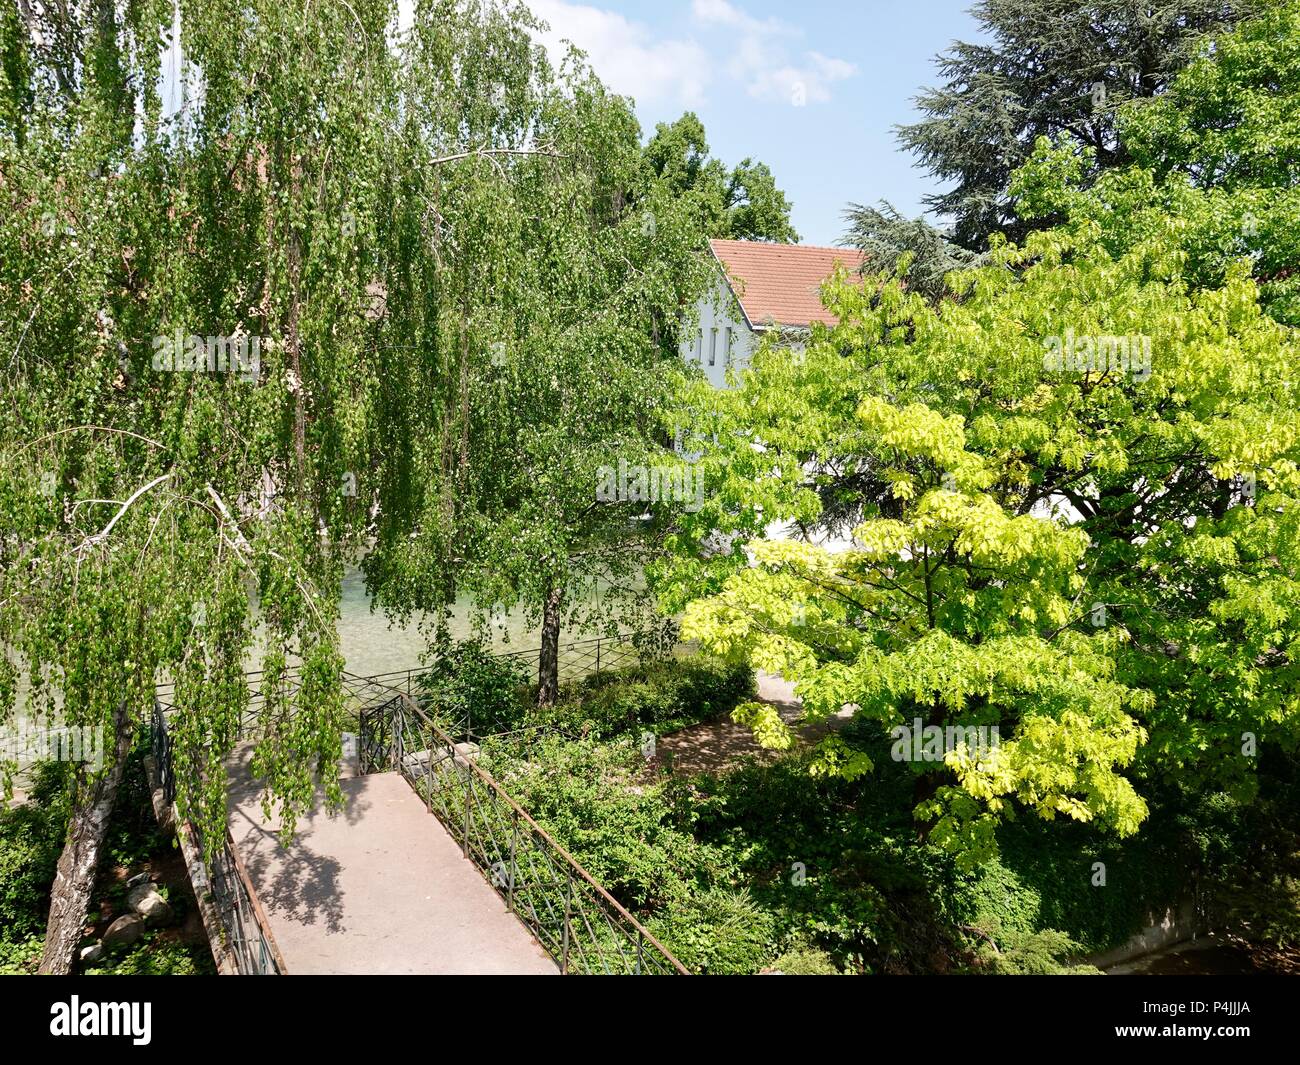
(720, 325)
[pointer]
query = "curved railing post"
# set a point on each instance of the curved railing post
(514, 866)
(568, 923)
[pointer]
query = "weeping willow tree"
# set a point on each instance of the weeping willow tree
(280, 283)
(188, 366)
(532, 344)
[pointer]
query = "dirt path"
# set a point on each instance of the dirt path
(713, 746)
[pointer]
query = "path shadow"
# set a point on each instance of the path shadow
(293, 880)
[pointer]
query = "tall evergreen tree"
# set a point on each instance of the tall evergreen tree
(1048, 67)
(911, 247)
(1221, 147)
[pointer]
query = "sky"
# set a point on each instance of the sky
(813, 89)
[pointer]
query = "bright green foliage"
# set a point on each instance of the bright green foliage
(1044, 953)
(741, 204)
(805, 961)
(1219, 151)
(1060, 553)
(716, 932)
(155, 958)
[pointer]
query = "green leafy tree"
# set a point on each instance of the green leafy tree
(1219, 148)
(1093, 553)
(531, 352)
(161, 504)
(1048, 68)
(428, 235)
(743, 203)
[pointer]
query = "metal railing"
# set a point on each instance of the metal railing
(578, 659)
(582, 926)
(220, 877)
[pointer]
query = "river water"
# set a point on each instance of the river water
(371, 644)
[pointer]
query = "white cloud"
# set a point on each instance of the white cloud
(801, 84)
(626, 54)
(759, 55)
(721, 13)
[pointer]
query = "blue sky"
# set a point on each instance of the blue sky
(813, 89)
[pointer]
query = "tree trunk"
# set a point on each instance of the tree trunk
(548, 662)
(79, 862)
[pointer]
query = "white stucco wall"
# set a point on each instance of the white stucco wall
(719, 319)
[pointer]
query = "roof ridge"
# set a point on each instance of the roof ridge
(778, 244)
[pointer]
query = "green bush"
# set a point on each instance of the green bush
(717, 931)
(822, 874)
(661, 695)
(1250, 854)
(31, 838)
(831, 861)
(156, 956)
(1043, 953)
(1043, 879)
(469, 688)
(594, 798)
(21, 957)
(805, 961)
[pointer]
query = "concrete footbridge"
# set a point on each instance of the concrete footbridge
(430, 866)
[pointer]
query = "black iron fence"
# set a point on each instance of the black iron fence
(582, 926)
(578, 659)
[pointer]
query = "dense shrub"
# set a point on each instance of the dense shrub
(21, 956)
(718, 931)
(31, 838)
(803, 960)
(1249, 851)
(1043, 879)
(832, 862)
(1044, 953)
(660, 696)
(768, 866)
(630, 832)
(469, 688)
(156, 956)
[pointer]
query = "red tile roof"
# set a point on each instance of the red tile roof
(780, 283)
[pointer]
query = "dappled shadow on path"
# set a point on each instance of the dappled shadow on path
(292, 879)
